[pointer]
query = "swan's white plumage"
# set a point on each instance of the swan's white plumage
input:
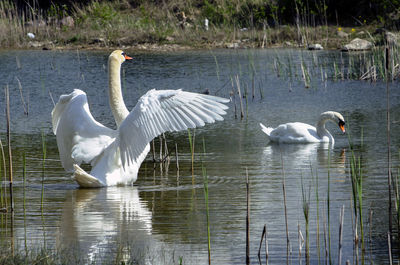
(298, 132)
(116, 155)
(162, 111)
(266, 130)
(76, 130)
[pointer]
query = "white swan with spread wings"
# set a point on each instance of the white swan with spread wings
(116, 155)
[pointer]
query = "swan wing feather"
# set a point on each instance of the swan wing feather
(165, 111)
(80, 138)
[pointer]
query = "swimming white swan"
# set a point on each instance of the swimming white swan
(116, 155)
(298, 132)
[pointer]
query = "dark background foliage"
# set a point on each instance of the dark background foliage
(253, 13)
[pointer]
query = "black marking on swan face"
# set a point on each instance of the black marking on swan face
(341, 125)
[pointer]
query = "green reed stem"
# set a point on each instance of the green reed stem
(328, 204)
(24, 202)
(240, 96)
(306, 212)
(205, 179)
(10, 166)
(247, 218)
(43, 167)
(387, 66)
(24, 167)
(341, 221)
(1, 188)
(3, 201)
(216, 65)
(305, 74)
(317, 207)
(191, 142)
(285, 209)
(398, 204)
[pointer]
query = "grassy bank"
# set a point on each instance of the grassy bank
(169, 25)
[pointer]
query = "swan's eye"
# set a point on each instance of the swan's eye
(341, 123)
(123, 54)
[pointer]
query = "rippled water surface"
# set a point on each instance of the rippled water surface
(162, 217)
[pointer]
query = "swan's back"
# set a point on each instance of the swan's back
(294, 132)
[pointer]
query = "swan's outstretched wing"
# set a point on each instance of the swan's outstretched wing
(166, 110)
(80, 138)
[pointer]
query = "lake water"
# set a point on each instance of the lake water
(161, 219)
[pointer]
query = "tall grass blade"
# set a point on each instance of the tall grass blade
(205, 179)
(10, 166)
(247, 218)
(387, 65)
(285, 209)
(341, 222)
(3, 193)
(177, 160)
(216, 64)
(24, 202)
(328, 204)
(306, 213)
(43, 168)
(191, 142)
(26, 107)
(240, 96)
(317, 208)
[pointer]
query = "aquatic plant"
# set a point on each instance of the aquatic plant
(3, 198)
(44, 154)
(328, 209)
(316, 187)
(191, 143)
(306, 213)
(10, 165)
(356, 177)
(247, 218)
(205, 185)
(285, 209)
(263, 238)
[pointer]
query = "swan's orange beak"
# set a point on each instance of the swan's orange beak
(341, 126)
(127, 57)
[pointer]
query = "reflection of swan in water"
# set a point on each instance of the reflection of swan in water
(97, 220)
(298, 132)
(302, 156)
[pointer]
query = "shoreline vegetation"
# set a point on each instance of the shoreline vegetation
(176, 25)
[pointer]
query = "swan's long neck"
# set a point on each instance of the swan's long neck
(117, 104)
(321, 130)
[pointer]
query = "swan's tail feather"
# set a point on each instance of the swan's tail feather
(266, 130)
(84, 179)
